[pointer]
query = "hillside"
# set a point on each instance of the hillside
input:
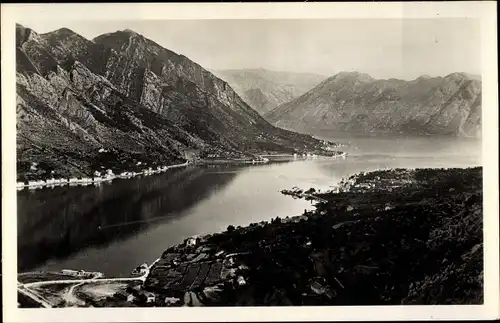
(131, 97)
(356, 102)
(264, 90)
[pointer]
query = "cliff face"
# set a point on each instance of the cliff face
(264, 90)
(127, 94)
(355, 102)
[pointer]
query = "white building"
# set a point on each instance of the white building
(130, 298)
(191, 242)
(171, 300)
(69, 272)
(150, 298)
(97, 173)
(241, 281)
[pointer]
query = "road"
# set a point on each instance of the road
(26, 291)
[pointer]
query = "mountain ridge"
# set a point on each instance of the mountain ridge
(126, 93)
(356, 102)
(265, 89)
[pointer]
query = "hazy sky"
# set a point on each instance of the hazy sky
(383, 48)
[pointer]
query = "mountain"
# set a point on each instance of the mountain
(356, 102)
(120, 99)
(264, 90)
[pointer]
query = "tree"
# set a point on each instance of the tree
(230, 228)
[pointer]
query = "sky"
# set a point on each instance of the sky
(383, 48)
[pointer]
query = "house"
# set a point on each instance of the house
(69, 272)
(317, 288)
(241, 281)
(130, 298)
(171, 300)
(231, 261)
(109, 172)
(20, 184)
(150, 298)
(73, 180)
(191, 242)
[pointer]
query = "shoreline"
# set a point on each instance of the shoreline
(359, 205)
(85, 181)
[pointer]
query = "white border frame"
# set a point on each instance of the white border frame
(483, 10)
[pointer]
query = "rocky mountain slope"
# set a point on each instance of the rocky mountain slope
(356, 102)
(264, 90)
(126, 97)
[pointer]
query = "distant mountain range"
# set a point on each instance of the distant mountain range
(264, 90)
(120, 99)
(356, 102)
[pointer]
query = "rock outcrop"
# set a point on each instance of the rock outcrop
(264, 90)
(356, 102)
(129, 95)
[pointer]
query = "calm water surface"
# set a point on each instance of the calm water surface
(116, 226)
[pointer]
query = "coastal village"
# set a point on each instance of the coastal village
(143, 169)
(99, 177)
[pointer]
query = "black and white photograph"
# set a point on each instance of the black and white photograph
(241, 162)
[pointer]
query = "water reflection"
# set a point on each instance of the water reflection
(139, 218)
(54, 223)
